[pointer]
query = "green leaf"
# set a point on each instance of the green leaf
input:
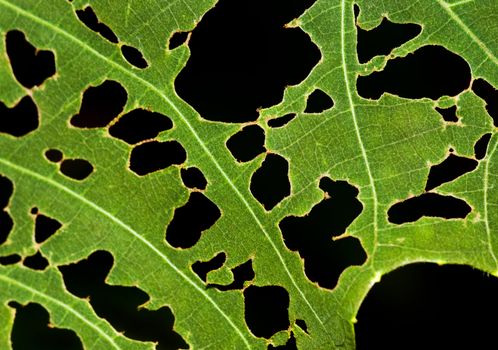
(382, 147)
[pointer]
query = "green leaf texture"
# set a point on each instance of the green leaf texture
(383, 147)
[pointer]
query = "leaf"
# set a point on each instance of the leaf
(382, 148)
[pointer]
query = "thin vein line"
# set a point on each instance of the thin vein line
(61, 304)
(189, 126)
(357, 129)
(127, 228)
(467, 30)
(458, 3)
(485, 200)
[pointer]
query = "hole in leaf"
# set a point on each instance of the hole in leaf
(30, 66)
(281, 121)
(318, 101)
(10, 259)
(247, 144)
(428, 204)
(139, 125)
(190, 220)
(302, 324)
(448, 114)
(153, 156)
(242, 58)
(193, 178)
(36, 262)
(76, 169)
(384, 38)
(266, 310)
(481, 146)
(426, 306)
(34, 211)
(290, 345)
(20, 119)
(32, 329)
(6, 222)
(45, 228)
(449, 169)
(120, 305)
(100, 105)
(241, 274)
(312, 235)
(177, 39)
(54, 155)
(431, 71)
(489, 94)
(202, 268)
(270, 183)
(89, 18)
(134, 57)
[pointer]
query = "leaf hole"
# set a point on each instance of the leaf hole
(89, 19)
(45, 227)
(241, 274)
(154, 156)
(30, 66)
(281, 121)
(449, 169)
(318, 101)
(134, 57)
(431, 71)
(428, 204)
(247, 144)
(177, 39)
(266, 310)
(481, 146)
(10, 259)
(36, 262)
(139, 125)
(190, 220)
(193, 178)
(21, 119)
(243, 57)
(76, 169)
(202, 268)
(449, 114)
(489, 94)
(100, 105)
(270, 183)
(312, 235)
(6, 222)
(54, 155)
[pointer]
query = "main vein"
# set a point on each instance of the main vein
(355, 122)
(191, 129)
(61, 304)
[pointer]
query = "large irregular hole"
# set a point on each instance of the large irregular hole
(89, 18)
(313, 235)
(32, 329)
(202, 268)
(139, 125)
(241, 274)
(489, 94)
(134, 57)
(270, 183)
(431, 71)
(100, 105)
(120, 305)
(20, 119)
(449, 114)
(153, 156)
(426, 306)
(481, 146)
(76, 169)
(242, 58)
(30, 66)
(177, 39)
(6, 222)
(428, 204)
(266, 310)
(247, 144)
(384, 38)
(190, 220)
(193, 178)
(36, 262)
(318, 101)
(281, 121)
(449, 169)
(302, 324)
(45, 227)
